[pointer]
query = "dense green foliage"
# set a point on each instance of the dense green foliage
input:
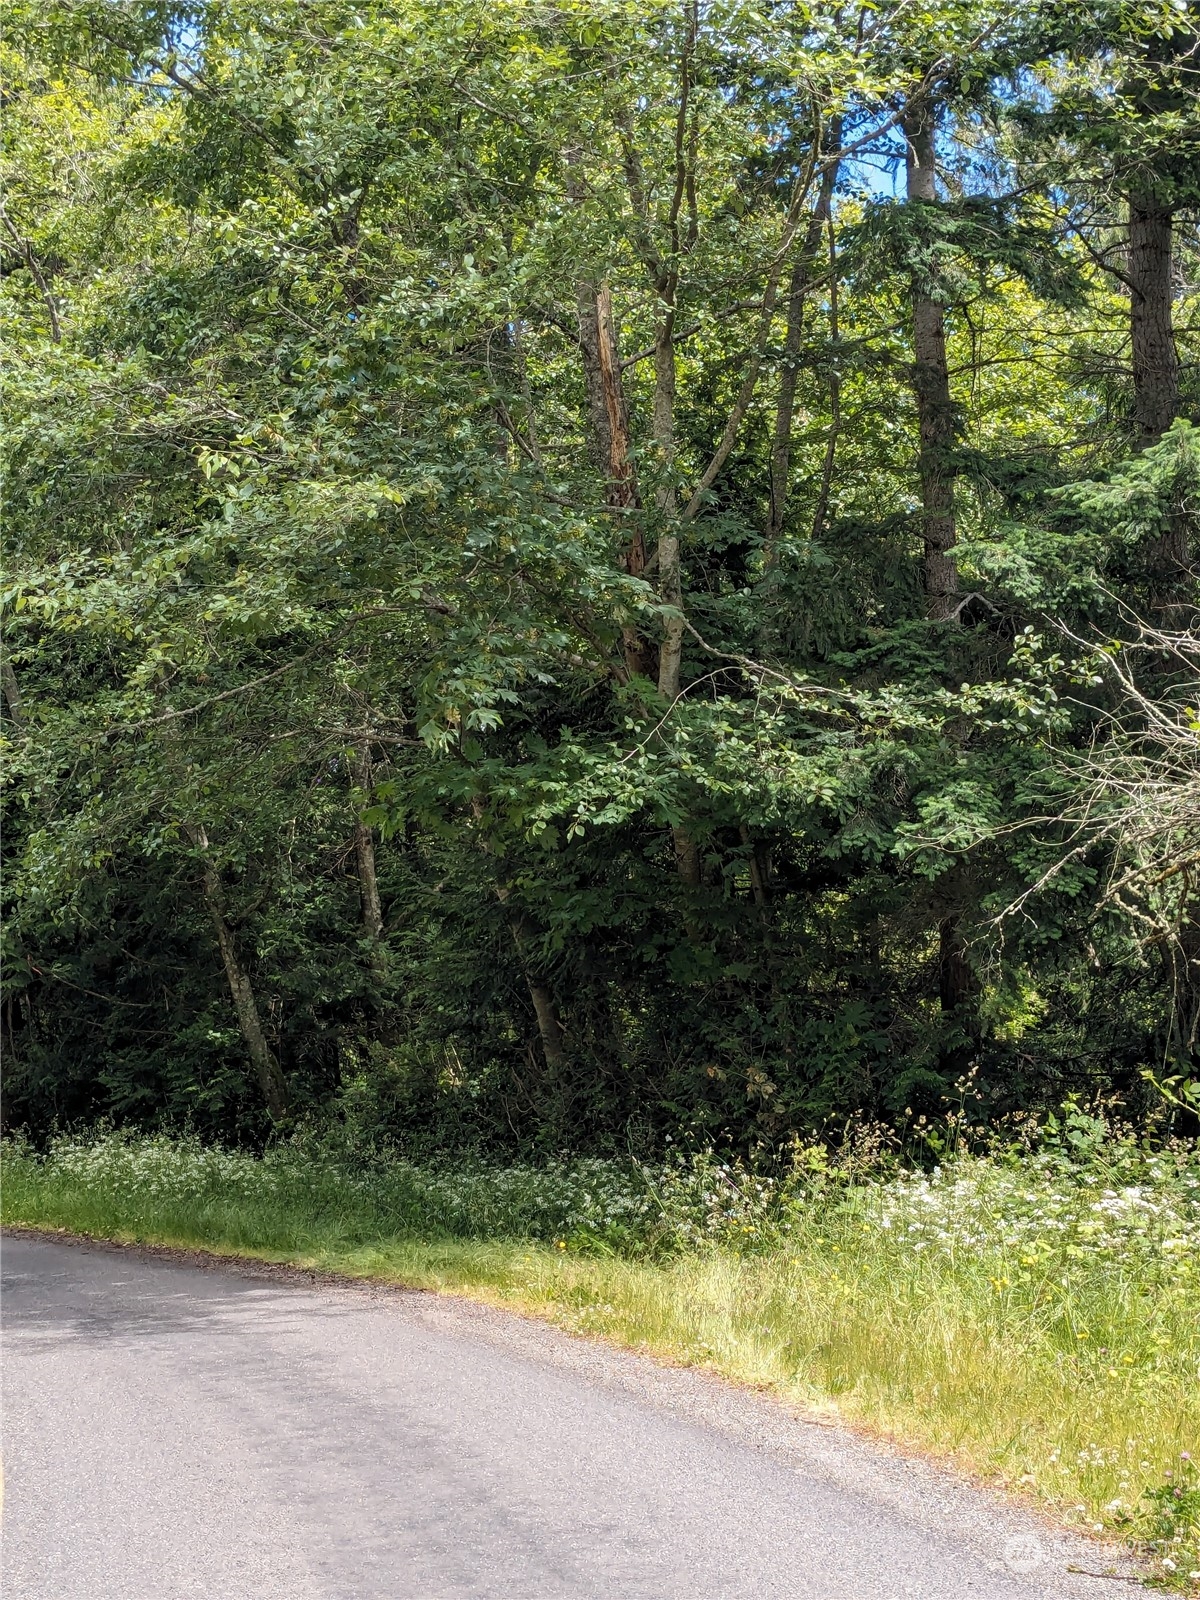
(515, 636)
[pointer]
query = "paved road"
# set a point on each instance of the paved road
(175, 1431)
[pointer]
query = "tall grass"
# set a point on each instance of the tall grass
(1036, 1318)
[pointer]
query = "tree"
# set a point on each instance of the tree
(461, 465)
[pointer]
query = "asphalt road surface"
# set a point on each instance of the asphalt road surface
(177, 1430)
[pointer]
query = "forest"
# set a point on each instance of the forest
(585, 574)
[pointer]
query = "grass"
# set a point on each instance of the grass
(1033, 1318)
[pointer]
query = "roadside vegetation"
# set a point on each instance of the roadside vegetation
(594, 579)
(1032, 1313)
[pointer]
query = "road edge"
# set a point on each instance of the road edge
(275, 1268)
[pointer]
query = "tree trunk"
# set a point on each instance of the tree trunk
(621, 483)
(523, 929)
(687, 857)
(956, 993)
(1155, 363)
(781, 449)
(12, 694)
(368, 882)
(835, 397)
(931, 385)
(587, 312)
(549, 1027)
(670, 580)
(270, 1076)
(609, 429)
(33, 267)
(954, 972)
(760, 869)
(670, 576)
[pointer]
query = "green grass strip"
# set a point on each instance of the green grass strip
(1067, 1373)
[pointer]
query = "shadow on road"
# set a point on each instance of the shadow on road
(101, 1293)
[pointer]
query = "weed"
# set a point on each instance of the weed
(1033, 1315)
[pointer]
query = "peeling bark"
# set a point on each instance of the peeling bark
(588, 316)
(611, 446)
